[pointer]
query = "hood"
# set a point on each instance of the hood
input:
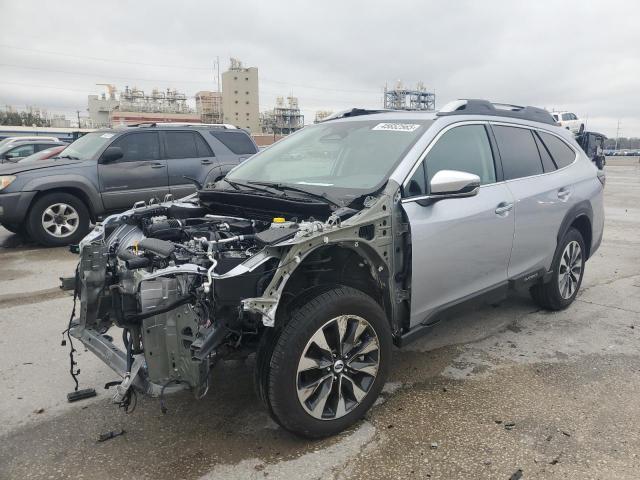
(14, 168)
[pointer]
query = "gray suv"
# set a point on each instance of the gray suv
(325, 249)
(55, 201)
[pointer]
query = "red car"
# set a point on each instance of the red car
(44, 154)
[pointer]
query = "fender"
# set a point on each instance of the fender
(66, 180)
(580, 209)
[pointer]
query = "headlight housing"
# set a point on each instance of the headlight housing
(6, 180)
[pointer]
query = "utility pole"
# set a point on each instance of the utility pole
(617, 134)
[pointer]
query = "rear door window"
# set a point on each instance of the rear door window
(181, 145)
(518, 151)
(139, 146)
(560, 151)
(238, 142)
(204, 150)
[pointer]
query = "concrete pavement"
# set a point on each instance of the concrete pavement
(492, 391)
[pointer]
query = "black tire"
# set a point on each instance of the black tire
(279, 376)
(40, 234)
(548, 295)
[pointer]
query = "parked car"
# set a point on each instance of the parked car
(570, 121)
(44, 154)
(8, 140)
(323, 250)
(15, 151)
(55, 201)
(593, 145)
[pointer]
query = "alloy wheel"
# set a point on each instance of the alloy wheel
(60, 220)
(570, 269)
(338, 367)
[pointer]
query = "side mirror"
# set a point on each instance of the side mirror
(453, 183)
(111, 154)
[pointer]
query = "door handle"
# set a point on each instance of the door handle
(206, 162)
(503, 209)
(157, 165)
(564, 194)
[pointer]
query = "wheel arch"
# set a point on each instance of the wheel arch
(580, 217)
(353, 264)
(73, 186)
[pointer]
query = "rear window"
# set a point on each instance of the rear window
(560, 151)
(238, 142)
(518, 152)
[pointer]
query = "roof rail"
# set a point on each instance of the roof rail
(473, 106)
(225, 126)
(354, 112)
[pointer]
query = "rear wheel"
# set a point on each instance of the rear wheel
(328, 365)
(568, 270)
(58, 219)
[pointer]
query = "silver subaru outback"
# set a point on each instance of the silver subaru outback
(322, 251)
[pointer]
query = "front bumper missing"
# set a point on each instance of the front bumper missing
(116, 359)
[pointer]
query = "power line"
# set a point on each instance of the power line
(101, 59)
(66, 72)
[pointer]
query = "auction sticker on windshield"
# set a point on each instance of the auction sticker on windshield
(397, 127)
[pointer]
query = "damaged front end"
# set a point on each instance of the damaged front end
(188, 287)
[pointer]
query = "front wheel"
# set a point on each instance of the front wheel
(58, 219)
(329, 363)
(568, 270)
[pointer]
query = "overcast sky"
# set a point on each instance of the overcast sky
(580, 56)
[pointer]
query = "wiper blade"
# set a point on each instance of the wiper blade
(282, 187)
(235, 184)
(70, 157)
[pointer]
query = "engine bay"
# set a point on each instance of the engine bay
(174, 278)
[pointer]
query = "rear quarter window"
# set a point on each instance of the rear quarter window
(238, 142)
(562, 154)
(518, 151)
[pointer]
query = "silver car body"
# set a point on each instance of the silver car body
(504, 234)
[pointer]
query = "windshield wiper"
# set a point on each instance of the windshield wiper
(70, 157)
(235, 184)
(282, 188)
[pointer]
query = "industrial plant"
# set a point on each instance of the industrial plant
(401, 98)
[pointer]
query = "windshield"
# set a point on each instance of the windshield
(330, 156)
(87, 146)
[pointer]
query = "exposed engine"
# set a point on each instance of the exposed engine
(173, 277)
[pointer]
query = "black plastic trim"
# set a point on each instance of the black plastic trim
(484, 107)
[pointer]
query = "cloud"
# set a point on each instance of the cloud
(575, 55)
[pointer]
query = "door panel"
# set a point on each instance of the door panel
(460, 247)
(138, 175)
(541, 204)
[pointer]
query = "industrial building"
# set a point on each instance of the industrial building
(240, 104)
(135, 106)
(321, 115)
(284, 119)
(209, 106)
(401, 98)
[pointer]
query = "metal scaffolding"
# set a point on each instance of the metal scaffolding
(401, 98)
(284, 118)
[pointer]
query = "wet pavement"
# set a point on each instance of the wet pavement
(492, 391)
